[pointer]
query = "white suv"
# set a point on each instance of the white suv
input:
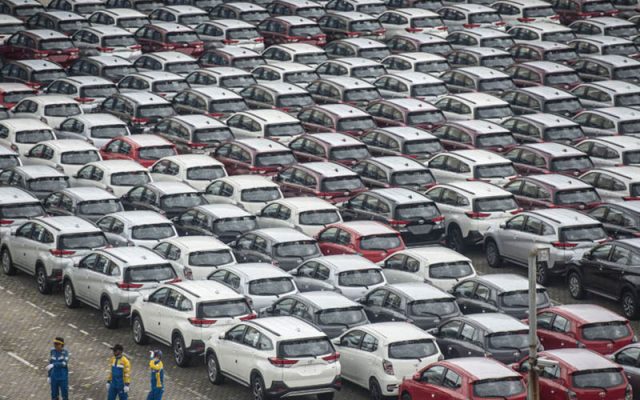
(251, 192)
(21, 134)
(609, 151)
(67, 156)
(472, 165)
(307, 214)
(275, 356)
(270, 124)
(137, 228)
(110, 280)
(114, 176)
(614, 184)
(182, 315)
(45, 246)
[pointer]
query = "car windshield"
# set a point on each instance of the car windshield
(498, 388)
(361, 94)
(170, 86)
(276, 158)
(631, 157)
(33, 136)
(606, 331)
(248, 62)
(212, 135)
(156, 111)
(310, 12)
(538, 12)
(62, 110)
(98, 91)
(243, 34)
(520, 298)
(630, 127)
(223, 309)
(370, 71)
(484, 17)
(49, 76)
(425, 146)
(431, 67)
(210, 258)
(79, 157)
(300, 77)
(598, 378)
(295, 100)
(429, 90)
(563, 106)
(130, 178)
(14, 97)
(419, 177)
(495, 171)
(590, 233)
(560, 55)
(237, 224)
(271, 286)
(493, 112)
(380, 242)
(205, 173)
(305, 30)
(193, 19)
(567, 78)
(182, 37)
(182, 200)
(356, 124)
(299, 248)
(130, 23)
(342, 316)
(260, 195)
(119, 41)
(181, 67)
(56, 44)
(356, 152)
(509, 340)
(360, 277)
(495, 204)
(632, 99)
(498, 42)
(412, 349)
(119, 71)
(152, 232)
(375, 53)
(342, 184)
(24, 210)
(426, 22)
(588, 195)
(437, 307)
(564, 133)
(300, 348)
(156, 152)
(495, 139)
(623, 31)
(365, 25)
(149, 273)
(237, 81)
(571, 163)
(426, 211)
(291, 129)
(100, 207)
(48, 184)
(228, 106)
(9, 161)
(311, 58)
(85, 240)
(450, 270)
(319, 217)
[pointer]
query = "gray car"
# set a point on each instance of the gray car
(331, 312)
(629, 358)
(90, 203)
(39, 180)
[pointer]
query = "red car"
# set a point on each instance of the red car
(342, 118)
(573, 10)
(584, 326)
(471, 378)
(291, 29)
(553, 191)
(254, 156)
(11, 93)
(579, 374)
(165, 36)
(40, 44)
(405, 112)
(475, 134)
(370, 239)
(549, 158)
(337, 147)
(143, 148)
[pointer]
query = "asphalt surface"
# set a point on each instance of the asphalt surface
(29, 321)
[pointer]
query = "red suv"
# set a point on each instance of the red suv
(143, 148)
(41, 44)
(11, 93)
(475, 134)
(337, 147)
(405, 112)
(370, 239)
(544, 73)
(548, 158)
(573, 10)
(165, 36)
(471, 378)
(254, 156)
(583, 325)
(291, 29)
(341, 118)
(553, 191)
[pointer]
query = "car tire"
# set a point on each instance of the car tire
(109, 320)
(574, 283)
(492, 254)
(542, 274)
(258, 390)
(44, 287)
(405, 396)
(7, 263)
(70, 299)
(213, 369)
(138, 332)
(455, 240)
(325, 396)
(629, 305)
(180, 351)
(375, 392)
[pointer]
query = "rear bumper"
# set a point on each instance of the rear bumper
(436, 235)
(196, 348)
(280, 390)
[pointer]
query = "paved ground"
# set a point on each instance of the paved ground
(28, 322)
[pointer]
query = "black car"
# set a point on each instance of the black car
(167, 198)
(611, 270)
(224, 221)
(619, 220)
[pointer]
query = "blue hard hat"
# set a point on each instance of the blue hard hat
(157, 353)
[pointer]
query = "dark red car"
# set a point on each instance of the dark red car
(166, 36)
(341, 118)
(231, 56)
(573, 10)
(143, 148)
(544, 73)
(337, 147)
(11, 93)
(370, 239)
(470, 378)
(291, 29)
(40, 44)
(553, 191)
(254, 156)
(405, 112)
(583, 326)
(549, 158)
(475, 134)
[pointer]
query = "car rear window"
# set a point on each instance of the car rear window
(419, 177)
(260, 195)
(284, 129)
(427, 211)
(412, 349)
(484, 18)
(380, 242)
(365, 25)
(238, 81)
(149, 273)
(295, 100)
(85, 240)
(520, 298)
(632, 99)
(509, 340)
(207, 173)
(495, 139)
(156, 152)
(598, 378)
(271, 286)
(210, 258)
(242, 34)
(299, 248)
(223, 309)
(56, 44)
(582, 233)
(493, 112)
(434, 308)
(170, 86)
(14, 97)
(152, 232)
(98, 91)
(215, 135)
(311, 58)
(312, 347)
(342, 184)
(155, 111)
(495, 204)
(361, 94)
(427, 117)
(356, 124)
(228, 106)
(374, 53)
(119, 41)
(577, 196)
(22, 210)
(342, 316)
(571, 163)
(100, 207)
(49, 76)
(360, 277)
(238, 224)
(425, 146)
(563, 133)
(319, 217)
(182, 200)
(300, 76)
(496, 84)
(606, 331)
(181, 67)
(538, 12)
(79, 157)
(370, 71)
(498, 388)
(48, 184)
(62, 110)
(275, 159)
(630, 126)
(248, 62)
(634, 189)
(567, 78)
(305, 30)
(495, 171)
(130, 178)
(357, 152)
(450, 270)
(561, 55)
(182, 37)
(426, 22)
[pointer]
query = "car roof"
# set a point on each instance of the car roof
(25, 124)
(123, 12)
(199, 121)
(230, 23)
(479, 99)
(563, 216)
(271, 116)
(169, 56)
(480, 156)
(392, 332)
(398, 163)
(580, 359)
(302, 204)
(485, 51)
(108, 30)
(343, 110)
(347, 82)
(215, 92)
(507, 282)
(89, 193)
(6, 151)
(328, 169)
(545, 45)
(282, 87)
(545, 27)
(184, 9)
(589, 313)
(69, 145)
(548, 66)
(245, 6)
(249, 181)
(84, 80)
(116, 166)
(346, 262)
(485, 32)
(547, 92)
(628, 172)
(525, 3)
(366, 228)
(554, 149)
(300, 47)
(335, 139)
(294, 19)
(479, 126)
(547, 119)
(10, 19)
(401, 195)
(287, 327)
(146, 139)
(172, 187)
(364, 43)
(420, 291)
(144, 98)
(108, 60)
(434, 254)
(282, 235)
(483, 72)
(560, 182)
(326, 300)
(14, 86)
(68, 224)
(46, 34)
(614, 59)
(414, 104)
(48, 99)
(170, 26)
(481, 368)
(620, 87)
(497, 322)
(140, 217)
(354, 61)
(198, 243)
(287, 66)
(39, 65)
(604, 40)
(135, 255)
(206, 290)
(419, 56)
(262, 144)
(224, 210)
(158, 75)
(408, 132)
(14, 195)
(255, 271)
(477, 188)
(238, 51)
(622, 113)
(352, 15)
(39, 171)
(225, 71)
(472, 8)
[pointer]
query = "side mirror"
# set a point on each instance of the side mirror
(145, 298)
(502, 225)
(587, 255)
(417, 377)
(222, 336)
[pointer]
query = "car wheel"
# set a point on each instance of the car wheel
(629, 305)
(109, 320)
(7, 263)
(213, 369)
(70, 299)
(455, 239)
(492, 254)
(137, 329)
(576, 290)
(180, 351)
(44, 286)
(326, 396)
(257, 388)
(542, 274)
(405, 396)
(374, 390)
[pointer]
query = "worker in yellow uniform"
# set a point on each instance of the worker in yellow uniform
(119, 375)
(157, 376)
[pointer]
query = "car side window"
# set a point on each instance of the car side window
(352, 339)
(516, 223)
(393, 301)
(433, 375)
(465, 289)
(236, 333)
(601, 252)
(544, 320)
(251, 337)
(561, 324)
(159, 296)
(377, 298)
(450, 329)
(628, 357)
(369, 343)
(451, 380)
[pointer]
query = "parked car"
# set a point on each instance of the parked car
(39, 180)
(196, 170)
(472, 165)
(553, 191)
(307, 214)
(250, 192)
(89, 203)
(224, 221)
(543, 127)
(335, 147)
(195, 257)
(619, 218)
(614, 183)
(402, 140)
(475, 134)
(114, 176)
(610, 151)
(137, 228)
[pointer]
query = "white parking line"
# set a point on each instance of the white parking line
(107, 344)
(22, 360)
(41, 309)
(9, 291)
(73, 326)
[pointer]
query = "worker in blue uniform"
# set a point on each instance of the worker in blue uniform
(157, 376)
(58, 370)
(119, 375)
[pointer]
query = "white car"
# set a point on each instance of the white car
(307, 214)
(8, 25)
(475, 105)
(411, 87)
(270, 124)
(46, 246)
(50, 109)
(181, 14)
(428, 63)
(251, 192)
(412, 20)
(115, 176)
(610, 151)
(353, 275)
(21, 134)
(380, 356)
(230, 32)
(517, 12)
(67, 156)
(195, 257)
(9, 158)
(225, 222)
(137, 228)
(614, 183)
(16, 207)
(355, 67)
(184, 314)
(436, 265)
(168, 61)
(197, 170)
(281, 356)
(288, 72)
(262, 283)
(111, 279)
(470, 165)
(302, 53)
(126, 18)
(107, 41)
(231, 78)
(162, 83)
(89, 91)
(96, 128)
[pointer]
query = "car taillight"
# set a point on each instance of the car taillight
(517, 211)
(282, 362)
(554, 17)
(259, 40)
(387, 366)
(106, 49)
(248, 317)
(331, 358)
(139, 121)
(135, 47)
(201, 322)
(84, 100)
(413, 30)
(291, 39)
(442, 28)
(128, 286)
(499, 23)
(34, 85)
(215, 115)
(526, 19)
(259, 170)
(198, 45)
(469, 26)
(196, 145)
(353, 34)
(438, 219)
(380, 32)
(61, 252)
(175, 280)
(629, 198)
(40, 54)
(166, 46)
(6, 221)
(564, 245)
(477, 215)
(230, 41)
(398, 223)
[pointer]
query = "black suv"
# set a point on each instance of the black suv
(619, 220)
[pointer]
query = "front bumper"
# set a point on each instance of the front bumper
(280, 390)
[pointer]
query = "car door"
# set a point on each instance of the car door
(41, 243)
(153, 310)
(629, 359)
(176, 308)
(242, 247)
(95, 278)
(553, 329)
(248, 352)
(510, 235)
(481, 301)
(350, 354)
(613, 270)
(275, 216)
(373, 305)
(592, 264)
(447, 336)
(229, 353)
(22, 241)
(464, 294)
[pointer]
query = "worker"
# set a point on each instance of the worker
(157, 376)
(58, 370)
(119, 375)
